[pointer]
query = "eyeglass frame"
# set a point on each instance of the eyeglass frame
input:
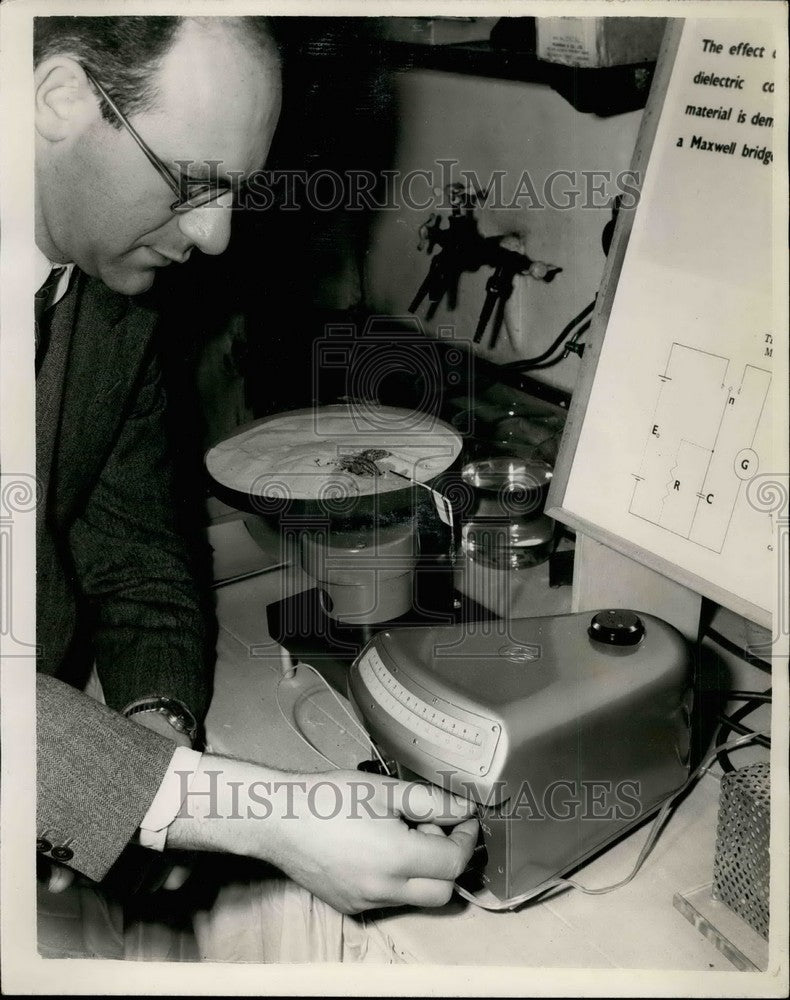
(176, 185)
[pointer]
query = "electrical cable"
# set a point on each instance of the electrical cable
(579, 331)
(658, 822)
(749, 695)
(731, 647)
(353, 718)
(560, 357)
(217, 584)
(295, 731)
(731, 723)
(726, 722)
(527, 364)
(304, 738)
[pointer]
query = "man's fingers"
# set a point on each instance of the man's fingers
(464, 836)
(423, 803)
(176, 877)
(431, 829)
(440, 857)
(437, 891)
(427, 892)
(60, 878)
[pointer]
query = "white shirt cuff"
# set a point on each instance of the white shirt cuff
(169, 798)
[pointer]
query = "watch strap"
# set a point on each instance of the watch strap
(174, 711)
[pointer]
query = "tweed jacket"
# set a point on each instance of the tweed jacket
(113, 579)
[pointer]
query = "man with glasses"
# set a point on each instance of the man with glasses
(143, 127)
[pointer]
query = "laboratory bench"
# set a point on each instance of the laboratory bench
(257, 716)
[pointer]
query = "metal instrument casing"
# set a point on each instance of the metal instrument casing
(566, 741)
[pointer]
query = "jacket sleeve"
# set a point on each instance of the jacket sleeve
(97, 775)
(151, 632)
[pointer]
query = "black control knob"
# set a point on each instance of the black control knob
(616, 628)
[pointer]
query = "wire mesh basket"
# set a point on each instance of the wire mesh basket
(741, 869)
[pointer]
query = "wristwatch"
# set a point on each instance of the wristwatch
(177, 715)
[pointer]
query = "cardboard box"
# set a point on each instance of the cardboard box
(594, 42)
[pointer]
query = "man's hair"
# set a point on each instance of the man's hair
(123, 53)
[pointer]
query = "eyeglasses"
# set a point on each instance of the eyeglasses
(191, 193)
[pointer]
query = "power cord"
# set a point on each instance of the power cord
(571, 347)
(540, 360)
(732, 723)
(731, 647)
(353, 718)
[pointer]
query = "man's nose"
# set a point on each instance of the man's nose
(208, 226)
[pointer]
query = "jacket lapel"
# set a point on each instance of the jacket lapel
(109, 342)
(49, 393)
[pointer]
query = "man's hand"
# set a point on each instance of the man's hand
(366, 856)
(342, 835)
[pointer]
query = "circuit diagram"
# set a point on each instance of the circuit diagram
(700, 447)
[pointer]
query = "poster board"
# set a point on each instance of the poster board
(669, 439)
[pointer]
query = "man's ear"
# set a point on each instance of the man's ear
(65, 102)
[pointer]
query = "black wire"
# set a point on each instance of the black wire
(544, 364)
(728, 724)
(731, 647)
(539, 361)
(582, 329)
(560, 357)
(749, 695)
(530, 363)
(741, 730)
